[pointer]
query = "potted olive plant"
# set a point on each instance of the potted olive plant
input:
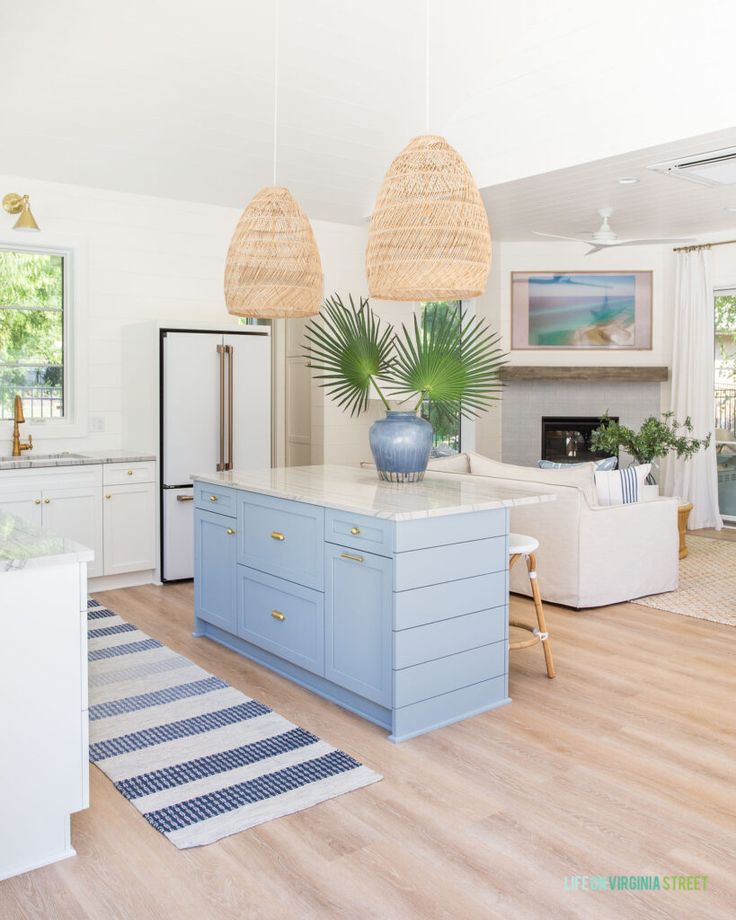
(655, 439)
(450, 364)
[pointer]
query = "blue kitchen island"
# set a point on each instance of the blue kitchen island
(388, 599)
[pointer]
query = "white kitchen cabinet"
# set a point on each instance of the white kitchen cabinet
(69, 500)
(77, 515)
(129, 531)
(26, 504)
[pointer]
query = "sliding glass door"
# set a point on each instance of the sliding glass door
(725, 401)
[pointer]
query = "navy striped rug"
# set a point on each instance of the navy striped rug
(197, 758)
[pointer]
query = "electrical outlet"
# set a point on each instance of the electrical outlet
(96, 423)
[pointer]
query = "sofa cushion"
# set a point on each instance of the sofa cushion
(580, 477)
(621, 487)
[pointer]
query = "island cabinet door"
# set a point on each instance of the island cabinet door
(215, 574)
(358, 622)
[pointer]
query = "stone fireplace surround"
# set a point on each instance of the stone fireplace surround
(526, 401)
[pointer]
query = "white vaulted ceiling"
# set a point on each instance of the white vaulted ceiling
(175, 97)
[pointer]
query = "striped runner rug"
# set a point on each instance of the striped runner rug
(198, 758)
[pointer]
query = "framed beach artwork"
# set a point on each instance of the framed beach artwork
(584, 310)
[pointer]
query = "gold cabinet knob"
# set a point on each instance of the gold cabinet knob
(108, 496)
(46, 501)
(130, 472)
(213, 498)
(36, 501)
(277, 535)
(355, 531)
(230, 531)
(278, 615)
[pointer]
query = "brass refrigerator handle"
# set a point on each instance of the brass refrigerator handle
(221, 353)
(185, 498)
(229, 350)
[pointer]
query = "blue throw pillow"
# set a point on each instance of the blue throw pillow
(608, 463)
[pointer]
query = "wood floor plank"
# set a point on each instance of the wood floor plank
(623, 764)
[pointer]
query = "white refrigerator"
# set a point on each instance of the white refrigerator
(215, 415)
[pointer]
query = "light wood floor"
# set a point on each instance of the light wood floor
(622, 765)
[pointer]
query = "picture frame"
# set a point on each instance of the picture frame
(581, 311)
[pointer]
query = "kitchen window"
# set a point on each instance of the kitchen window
(32, 347)
(447, 428)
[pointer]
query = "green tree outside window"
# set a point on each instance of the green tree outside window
(32, 333)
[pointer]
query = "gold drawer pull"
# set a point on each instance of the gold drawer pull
(36, 501)
(230, 531)
(355, 531)
(108, 496)
(213, 498)
(46, 501)
(130, 472)
(352, 557)
(277, 535)
(278, 615)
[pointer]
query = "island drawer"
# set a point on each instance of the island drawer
(282, 538)
(359, 531)
(282, 617)
(220, 499)
(120, 474)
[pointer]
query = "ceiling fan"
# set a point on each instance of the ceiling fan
(605, 238)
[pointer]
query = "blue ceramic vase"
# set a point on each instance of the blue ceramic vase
(400, 444)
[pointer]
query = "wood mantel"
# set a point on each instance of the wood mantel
(641, 374)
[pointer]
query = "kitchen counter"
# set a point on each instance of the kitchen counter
(389, 599)
(69, 458)
(359, 491)
(24, 545)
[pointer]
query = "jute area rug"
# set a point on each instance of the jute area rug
(707, 588)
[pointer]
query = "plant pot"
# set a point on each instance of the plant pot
(400, 444)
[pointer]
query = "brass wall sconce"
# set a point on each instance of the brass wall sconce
(19, 204)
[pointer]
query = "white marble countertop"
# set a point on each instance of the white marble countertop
(69, 458)
(24, 545)
(360, 491)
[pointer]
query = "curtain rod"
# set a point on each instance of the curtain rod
(703, 246)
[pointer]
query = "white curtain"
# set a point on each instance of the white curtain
(693, 380)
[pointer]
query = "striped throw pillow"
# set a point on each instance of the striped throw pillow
(621, 487)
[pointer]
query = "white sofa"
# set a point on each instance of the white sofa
(589, 555)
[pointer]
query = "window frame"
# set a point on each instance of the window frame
(74, 422)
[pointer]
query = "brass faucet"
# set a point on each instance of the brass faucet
(18, 417)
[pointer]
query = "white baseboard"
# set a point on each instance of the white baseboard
(111, 582)
(11, 872)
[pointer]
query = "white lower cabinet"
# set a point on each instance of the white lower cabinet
(24, 504)
(76, 514)
(110, 509)
(129, 533)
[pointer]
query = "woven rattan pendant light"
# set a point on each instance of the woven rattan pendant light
(428, 237)
(273, 268)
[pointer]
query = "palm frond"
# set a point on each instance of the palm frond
(451, 362)
(351, 350)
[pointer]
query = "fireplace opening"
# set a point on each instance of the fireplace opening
(566, 439)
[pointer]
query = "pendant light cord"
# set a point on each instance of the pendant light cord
(426, 67)
(275, 91)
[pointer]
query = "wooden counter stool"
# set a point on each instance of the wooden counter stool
(522, 545)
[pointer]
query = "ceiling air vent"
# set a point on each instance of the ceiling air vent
(718, 167)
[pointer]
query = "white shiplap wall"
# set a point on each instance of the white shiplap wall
(139, 258)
